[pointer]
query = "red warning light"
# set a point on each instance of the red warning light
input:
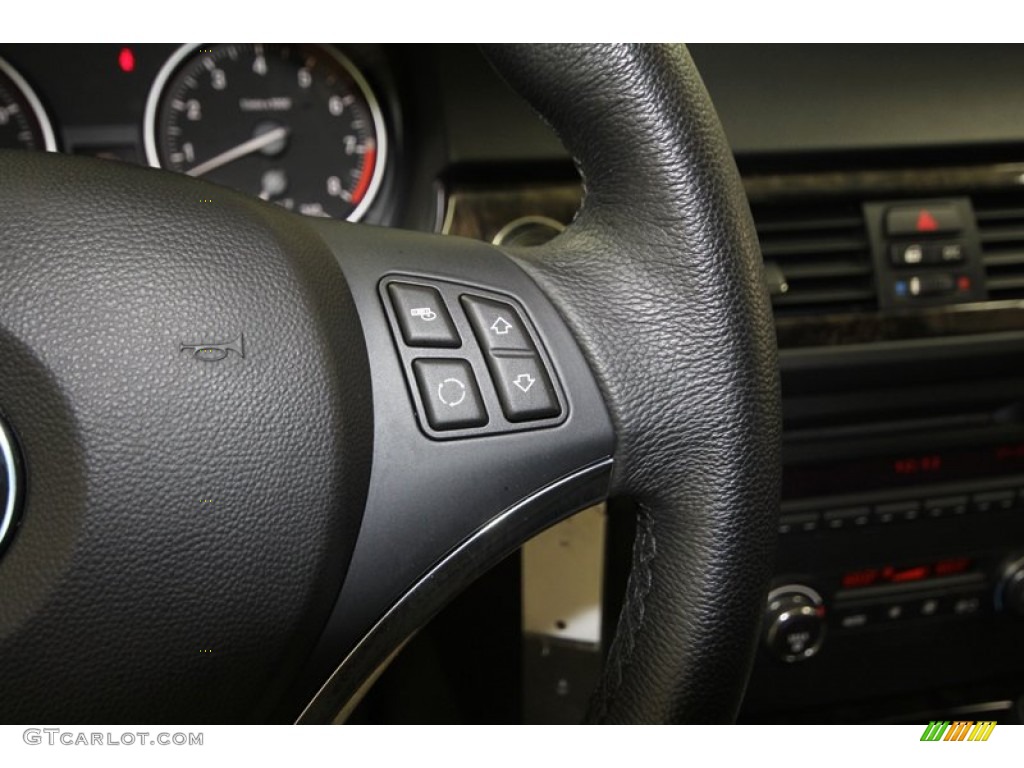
(926, 222)
(126, 60)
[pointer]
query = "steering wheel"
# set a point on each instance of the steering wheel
(253, 452)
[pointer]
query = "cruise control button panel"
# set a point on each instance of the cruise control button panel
(475, 362)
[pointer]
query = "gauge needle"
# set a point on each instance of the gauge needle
(254, 144)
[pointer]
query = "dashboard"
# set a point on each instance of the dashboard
(887, 186)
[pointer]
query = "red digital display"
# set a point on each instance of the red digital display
(881, 472)
(903, 575)
(952, 566)
(1013, 452)
(888, 574)
(867, 577)
(917, 465)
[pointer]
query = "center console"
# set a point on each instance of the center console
(898, 593)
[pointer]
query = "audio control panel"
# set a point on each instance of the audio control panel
(918, 505)
(864, 616)
(889, 597)
(893, 564)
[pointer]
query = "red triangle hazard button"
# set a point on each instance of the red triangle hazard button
(924, 218)
(926, 222)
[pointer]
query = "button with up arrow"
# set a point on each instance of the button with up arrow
(496, 324)
(501, 326)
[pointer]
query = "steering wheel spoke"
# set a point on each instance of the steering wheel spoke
(447, 499)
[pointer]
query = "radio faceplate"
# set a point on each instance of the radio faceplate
(909, 557)
(921, 552)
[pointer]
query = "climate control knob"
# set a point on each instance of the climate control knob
(794, 623)
(1010, 593)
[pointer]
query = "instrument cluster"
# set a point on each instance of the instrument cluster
(297, 125)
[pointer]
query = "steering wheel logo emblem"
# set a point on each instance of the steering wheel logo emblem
(10, 484)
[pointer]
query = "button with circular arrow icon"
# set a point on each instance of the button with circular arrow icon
(452, 392)
(449, 393)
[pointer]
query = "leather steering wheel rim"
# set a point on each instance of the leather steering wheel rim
(660, 279)
(649, 310)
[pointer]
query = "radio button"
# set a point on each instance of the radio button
(802, 522)
(966, 605)
(794, 623)
(850, 517)
(899, 511)
(1010, 593)
(947, 506)
(993, 501)
(854, 619)
(930, 606)
(895, 611)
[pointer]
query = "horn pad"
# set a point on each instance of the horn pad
(188, 380)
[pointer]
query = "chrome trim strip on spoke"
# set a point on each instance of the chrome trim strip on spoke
(338, 697)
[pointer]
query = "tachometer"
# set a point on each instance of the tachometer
(296, 125)
(23, 121)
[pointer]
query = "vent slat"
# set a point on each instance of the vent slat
(837, 269)
(824, 296)
(1000, 234)
(1001, 231)
(1000, 284)
(819, 245)
(823, 252)
(1004, 259)
(855, 223)
(987, 215)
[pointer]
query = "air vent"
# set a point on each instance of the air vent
(823, 255)
(1001, 229)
